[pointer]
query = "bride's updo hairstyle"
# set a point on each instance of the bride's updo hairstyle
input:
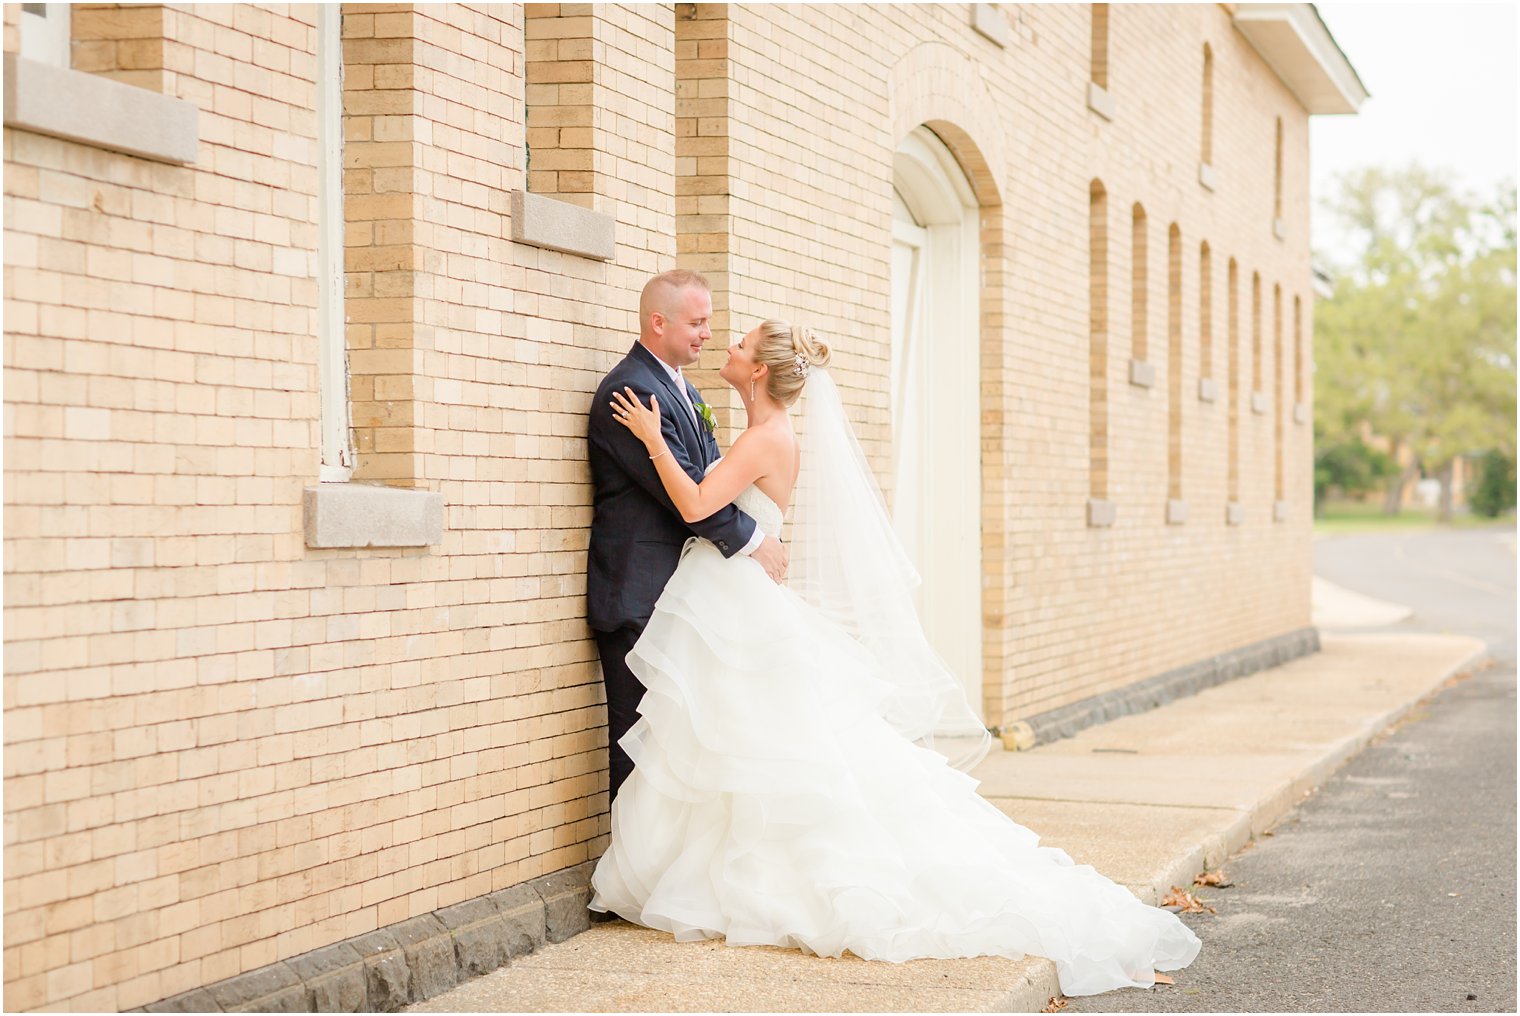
(790, 354)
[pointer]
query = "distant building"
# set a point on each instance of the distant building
(303, 311)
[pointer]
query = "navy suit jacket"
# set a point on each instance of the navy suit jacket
(636, 532)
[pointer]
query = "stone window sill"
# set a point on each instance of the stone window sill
(93, 110)
(1100, 513)
(364, 515)
(558, 225)
(1100, 101)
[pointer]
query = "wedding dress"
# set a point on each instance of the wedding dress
(774, 801)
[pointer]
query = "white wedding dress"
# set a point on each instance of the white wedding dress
(770, 803)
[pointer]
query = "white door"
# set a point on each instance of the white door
(936, 397)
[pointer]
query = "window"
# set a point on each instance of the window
(46, 33)
(1140, 372)
(1232, 336)
(1206, 383)
(1208, 104)
(1277, 403)
(1258, 397)
(1176, 511)
(1099, 510)
(1098, 98)
(332, 361)
(1279, 229)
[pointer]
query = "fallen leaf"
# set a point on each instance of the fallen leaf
(1453, 894)
(1057, 1003)
(1217, 877)
(1190, 904)
(1163, 979)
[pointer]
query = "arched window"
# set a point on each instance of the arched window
(1100, 45)
(1176, 510)
(1208, 105)
(1100, 510)
(1277, 404)
(1140, 372)
(1279, 228)
(1098, 98)
(1258, 397)
(1232, 336)
(1206, 383)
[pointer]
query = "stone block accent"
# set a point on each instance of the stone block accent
(1208, 389)
(274, 988)
(1234, 513)
(559, 225)
(1207, 176)
(1176, 512)
(1259, 403)
(565, 895)
(1181, 682)
(1142, 374)
(365, 515)
(1300, 413)
(97, 111)
(409, 962)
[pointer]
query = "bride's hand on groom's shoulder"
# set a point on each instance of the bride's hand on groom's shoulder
(643, 420)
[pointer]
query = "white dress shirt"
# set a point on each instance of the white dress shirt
(675, 375)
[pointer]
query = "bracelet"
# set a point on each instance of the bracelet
(653, 457)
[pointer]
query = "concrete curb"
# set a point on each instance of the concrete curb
(384, 970)
(1039, 983)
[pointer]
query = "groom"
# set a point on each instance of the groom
(636, 531)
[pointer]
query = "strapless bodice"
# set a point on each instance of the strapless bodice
(755, 503)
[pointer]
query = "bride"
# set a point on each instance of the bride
(801, 753)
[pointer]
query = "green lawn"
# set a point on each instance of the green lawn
(1339, 518)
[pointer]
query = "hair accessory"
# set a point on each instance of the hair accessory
(801, 370)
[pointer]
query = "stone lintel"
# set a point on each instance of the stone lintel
(95, 110)
(366, 515)
(558, 225)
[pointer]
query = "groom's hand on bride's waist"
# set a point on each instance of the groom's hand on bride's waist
(773, 558)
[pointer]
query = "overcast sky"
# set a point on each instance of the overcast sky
(1443, 91)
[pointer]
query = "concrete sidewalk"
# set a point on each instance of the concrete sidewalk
(1150, 800)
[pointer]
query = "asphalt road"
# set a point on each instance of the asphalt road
(1393, 888)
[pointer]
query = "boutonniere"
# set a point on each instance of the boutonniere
(706, 413)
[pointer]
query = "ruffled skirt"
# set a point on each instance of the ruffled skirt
(770, 804)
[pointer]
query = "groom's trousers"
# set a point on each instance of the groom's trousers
(624, 693)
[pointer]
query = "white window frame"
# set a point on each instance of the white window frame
(332, 356)
(46, 34)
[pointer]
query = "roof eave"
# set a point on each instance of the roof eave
(1299, 48)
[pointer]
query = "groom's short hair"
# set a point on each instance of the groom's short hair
(660, 292)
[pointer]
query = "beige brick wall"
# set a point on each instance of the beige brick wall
(223, 748)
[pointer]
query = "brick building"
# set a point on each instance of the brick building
(303, 309)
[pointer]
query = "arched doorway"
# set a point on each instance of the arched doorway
(936, 396)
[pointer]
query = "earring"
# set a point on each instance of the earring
(752, 389)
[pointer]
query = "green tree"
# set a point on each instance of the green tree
(1417, 341)
(1495, 493)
